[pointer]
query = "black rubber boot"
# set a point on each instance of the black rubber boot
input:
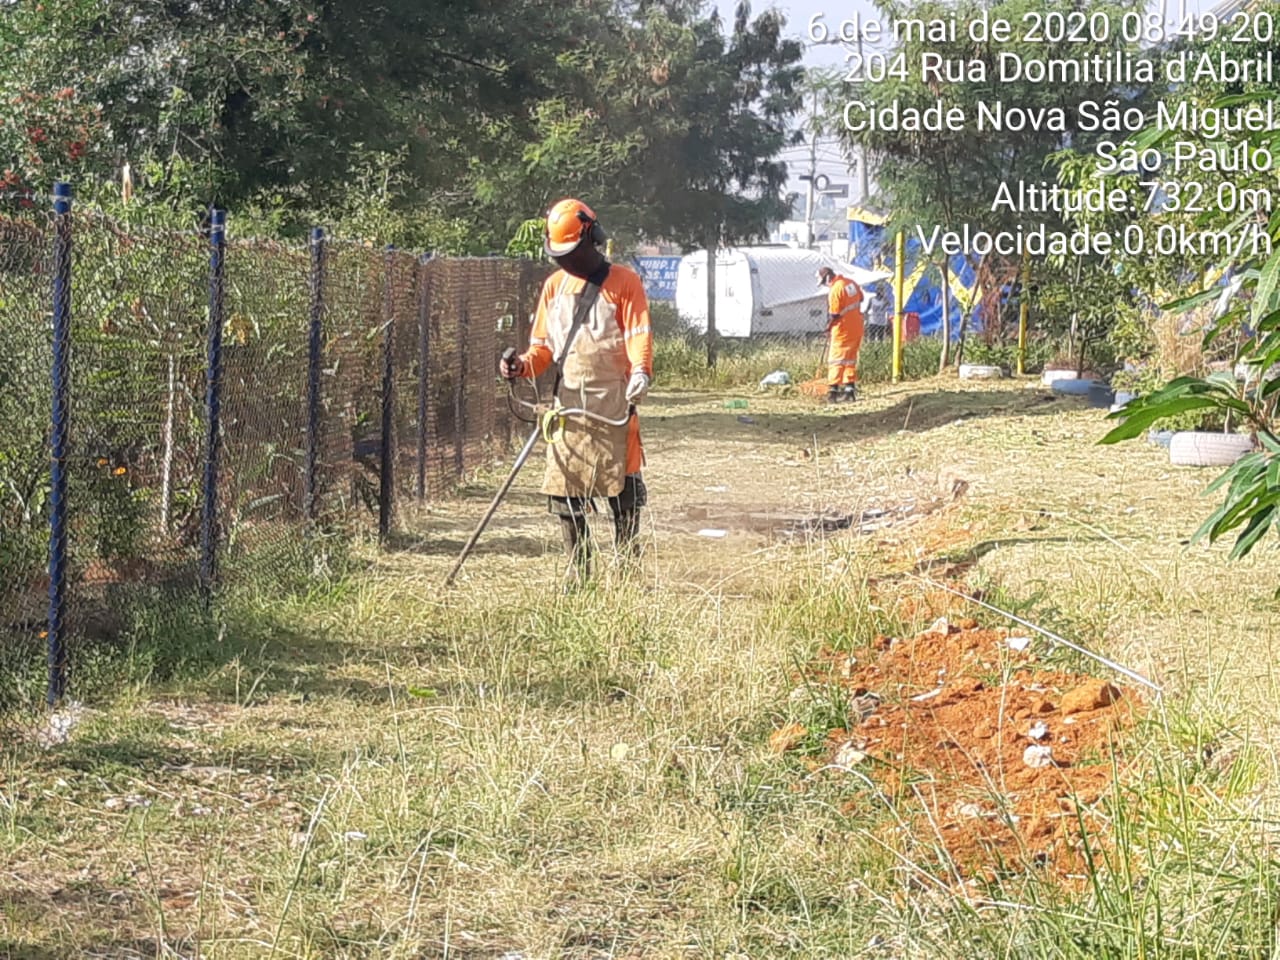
(850, 392)
(833, 394)
(577, 548)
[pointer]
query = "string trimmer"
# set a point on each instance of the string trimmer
(550, 427)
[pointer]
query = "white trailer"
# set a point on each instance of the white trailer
(761, 291)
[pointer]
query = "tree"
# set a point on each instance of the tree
(439, 126)
(680, 129)
(280, 96)
(1243, 289)
(737, 96)
(950, 178)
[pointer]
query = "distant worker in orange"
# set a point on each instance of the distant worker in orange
(844, 330)
(606, 371)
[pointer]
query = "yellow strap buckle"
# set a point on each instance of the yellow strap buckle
(549, 434)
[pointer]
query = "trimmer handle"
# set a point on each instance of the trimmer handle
(510, 359)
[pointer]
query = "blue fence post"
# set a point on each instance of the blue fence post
(386, 479)
(460, 391)
(61, 414)
(314, 343)
(424, 369)
(213, 405)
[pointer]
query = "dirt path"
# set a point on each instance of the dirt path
(1002, 477)
(398, 770)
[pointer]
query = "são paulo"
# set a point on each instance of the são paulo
(860, 117)
(1036, 241)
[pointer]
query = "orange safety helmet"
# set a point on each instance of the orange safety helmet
(570, 222)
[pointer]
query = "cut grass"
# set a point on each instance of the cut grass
(382, 769)
(681, 362)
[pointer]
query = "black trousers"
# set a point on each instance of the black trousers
(633, 497)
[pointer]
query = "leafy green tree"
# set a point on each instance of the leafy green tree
(950, 178)
(435, 127)
(1243, 288)
(676, 125)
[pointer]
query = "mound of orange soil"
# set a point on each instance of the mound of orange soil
(994, 761)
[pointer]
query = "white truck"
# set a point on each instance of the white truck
(763, 290)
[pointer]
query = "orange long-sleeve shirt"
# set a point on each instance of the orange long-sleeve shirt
(625, 290)
(845, 295)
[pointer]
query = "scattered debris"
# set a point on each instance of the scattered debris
(57, 730)
(952, 484)
(618, 752)
(354, 835)
(863, 705)
(848, 755)
(132, 802)
(1018, 644)
(778, 378)
(990, 733)
(927, 696)
(714, 534)
(1037, 756)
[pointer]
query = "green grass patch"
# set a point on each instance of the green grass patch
(354, 763)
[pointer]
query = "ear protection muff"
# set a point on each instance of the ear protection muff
(592, 230)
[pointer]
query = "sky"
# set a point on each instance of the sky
(798, 13)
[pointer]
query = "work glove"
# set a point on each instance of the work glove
(511, 369)
(638, 387)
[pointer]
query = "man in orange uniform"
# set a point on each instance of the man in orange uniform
(844, 328)
(607, 371)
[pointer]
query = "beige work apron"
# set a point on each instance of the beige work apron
(591, 459)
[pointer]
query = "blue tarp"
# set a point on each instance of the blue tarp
(871, 248)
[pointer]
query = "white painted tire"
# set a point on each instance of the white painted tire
(1074, 387)
(1191, 448)
(980, 371)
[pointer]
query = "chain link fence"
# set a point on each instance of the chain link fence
(26, 287)
(188, 411)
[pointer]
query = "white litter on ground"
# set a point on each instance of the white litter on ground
(61, 722)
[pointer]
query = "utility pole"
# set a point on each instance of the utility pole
(813, 173)
(862, 146)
